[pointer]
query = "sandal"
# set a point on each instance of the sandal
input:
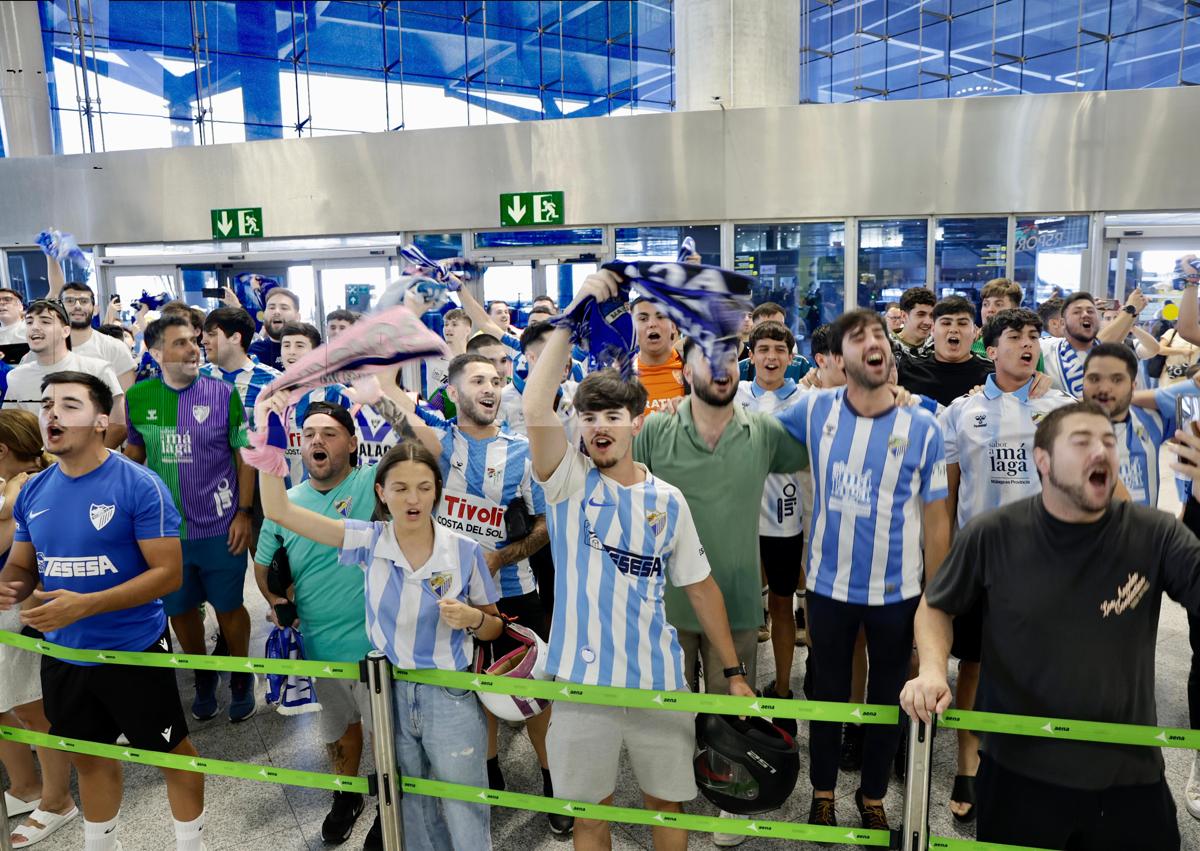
(43, 824)
(963, 793)
(14, 806)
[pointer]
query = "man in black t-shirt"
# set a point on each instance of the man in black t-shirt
(1071, 584)
(951, 369)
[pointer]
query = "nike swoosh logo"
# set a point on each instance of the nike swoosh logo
(592, 502)
(35, 514)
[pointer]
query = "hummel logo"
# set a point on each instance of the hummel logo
(162, 642)
(33, 515)
(166, 734)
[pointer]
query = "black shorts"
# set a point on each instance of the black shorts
(525, 610)
(542, 565)
(100, 702)
(968, 635)
(782, 562)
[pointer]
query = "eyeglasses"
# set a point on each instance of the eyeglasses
(72, 301)
(8, 299)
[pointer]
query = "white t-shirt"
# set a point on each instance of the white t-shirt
(108, 349)
(14, 333)
(25, 381)
(782, 512)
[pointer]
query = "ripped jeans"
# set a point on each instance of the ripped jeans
(441, 735)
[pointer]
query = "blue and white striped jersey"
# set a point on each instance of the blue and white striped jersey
(248, 381)
(403, 618)
(782, 511)
(990, 437)
(334, 393)
(614, 548)
(1141, 436)
(871, 479)
(375, 434)
(480, 478)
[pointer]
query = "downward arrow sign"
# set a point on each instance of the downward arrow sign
(224, 223)
(516, 210)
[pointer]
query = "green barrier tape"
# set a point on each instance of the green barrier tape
(653, 818)
(454, 791)
(1082, 731)
(240, 770)
(681, 701)
(287, 667)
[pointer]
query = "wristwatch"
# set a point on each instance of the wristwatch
(738, 671)
(1130, 309)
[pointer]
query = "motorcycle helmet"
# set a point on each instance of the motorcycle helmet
(745, 766)
(528, 661)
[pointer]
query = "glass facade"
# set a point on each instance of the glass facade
(902, 49)
(1049, 255)
(800, 267)
(967, 254)
(161, 73)
(662, 243)
(891, 258)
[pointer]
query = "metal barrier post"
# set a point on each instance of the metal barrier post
(383, 740)
(916, 787)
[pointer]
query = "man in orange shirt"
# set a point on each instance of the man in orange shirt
(657, 363)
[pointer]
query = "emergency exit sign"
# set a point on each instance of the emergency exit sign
(237, 223)
(531, 208)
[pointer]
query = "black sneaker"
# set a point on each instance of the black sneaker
(873, 816)
(823, 812)
(374, 840)
(788, 725)
(852, 747)
(339, 824)
(561, 825)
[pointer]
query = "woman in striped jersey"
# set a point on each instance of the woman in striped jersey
(428, 590)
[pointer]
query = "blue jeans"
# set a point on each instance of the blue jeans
(441, 735)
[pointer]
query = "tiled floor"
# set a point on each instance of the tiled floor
(245, 815)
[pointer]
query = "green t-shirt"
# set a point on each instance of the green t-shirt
(329, 597)
(724, 489)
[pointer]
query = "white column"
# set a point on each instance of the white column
(24, 97)
(737, 54)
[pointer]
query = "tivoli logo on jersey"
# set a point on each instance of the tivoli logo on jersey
(472, 516)
(100, 515)
(850, 492)
(77, 567)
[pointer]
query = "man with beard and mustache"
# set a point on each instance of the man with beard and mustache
(80, 302)
(989, 463)
(487, 474)
(1072, 636)
(611, 626)
(282, 308)
(1064, 358)
(878, 526)
(952, 369)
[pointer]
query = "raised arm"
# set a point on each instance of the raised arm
(480, 321)
(1117, 330)
(400, 411)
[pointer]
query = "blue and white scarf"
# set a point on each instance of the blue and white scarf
(604, 330)
(1070, 367)
(292, 695)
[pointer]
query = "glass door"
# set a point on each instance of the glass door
(349, 285)
(135, 282)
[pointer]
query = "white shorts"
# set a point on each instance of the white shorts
(343, 702)
(584, 747)
(20, 670)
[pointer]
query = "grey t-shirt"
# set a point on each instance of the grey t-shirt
(1070, 627)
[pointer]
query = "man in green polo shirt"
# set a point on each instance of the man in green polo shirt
(719, 455)
(328, 597)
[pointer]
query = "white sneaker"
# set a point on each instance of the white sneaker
(728, 840)
(1191, 792)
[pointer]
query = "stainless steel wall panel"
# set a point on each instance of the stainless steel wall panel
(1114, 151)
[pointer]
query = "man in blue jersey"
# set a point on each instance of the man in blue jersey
(989, 463)
(879, 526)
(1081, 325)
(226, 339)
(1142, 419)
(328, 598)
(282, 308)
(101, 535)
(487, 478)
(618, 534)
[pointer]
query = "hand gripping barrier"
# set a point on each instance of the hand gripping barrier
(389, 785)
